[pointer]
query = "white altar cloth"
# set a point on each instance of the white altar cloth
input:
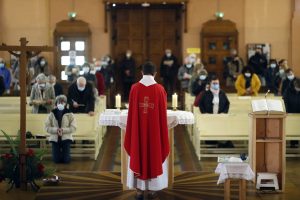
(114, 117)
(235, 171)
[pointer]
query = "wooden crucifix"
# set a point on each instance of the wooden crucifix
(25, 51)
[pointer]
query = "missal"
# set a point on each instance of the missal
(267, 106)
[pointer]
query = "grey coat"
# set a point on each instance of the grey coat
(36, 94)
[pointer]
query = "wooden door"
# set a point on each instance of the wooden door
(216, 48)
(218, 37)
(147, 32)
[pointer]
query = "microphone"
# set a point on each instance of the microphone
(267, 94)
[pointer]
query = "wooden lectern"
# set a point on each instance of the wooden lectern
(267, 145)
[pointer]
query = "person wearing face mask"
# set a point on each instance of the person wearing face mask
(215, 101)
(291, 99)
(259, 63)
(127, 67)
(184, 76)
(247, 83)
(199, 80)
(41, 65)
(233, 66)
(6, 75)
(168, 71)
(60, 125)
(42, 95)
(81, 97)
(86, 68)
(272, 80)
(286, 83)
(58, 89)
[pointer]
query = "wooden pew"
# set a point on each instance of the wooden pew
(12, 105)
(87, 129)
(235, 127)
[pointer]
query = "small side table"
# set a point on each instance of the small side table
(229, 171)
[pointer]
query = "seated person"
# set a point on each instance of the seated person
(81, 97)
(215, 101)
(200, 83)
(42, 95)
(286, 83)
(247, 83)
(60, 124)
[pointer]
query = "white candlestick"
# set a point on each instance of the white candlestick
(118, 101)
(174, 100)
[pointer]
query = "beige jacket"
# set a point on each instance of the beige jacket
(68, 125)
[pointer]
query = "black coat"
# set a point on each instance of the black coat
(292, 100)
(199, 87)
(85, 97)
(206, 105)
(166, 71)
(2, 85)
(128, 64)
(58, 90)
(259, 64)
(272, 80)
(285, 85)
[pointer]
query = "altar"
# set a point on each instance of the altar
(115, 117)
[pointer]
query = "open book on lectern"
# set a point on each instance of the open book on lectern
(267, 106)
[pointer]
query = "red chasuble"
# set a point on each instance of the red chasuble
(146, 139)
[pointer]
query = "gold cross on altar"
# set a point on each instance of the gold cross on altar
(25, 51)
(146, 105)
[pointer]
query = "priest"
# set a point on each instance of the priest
(146, 138)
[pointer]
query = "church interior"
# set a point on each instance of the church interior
(231, 75)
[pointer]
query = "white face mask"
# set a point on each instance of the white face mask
(128, 55)
(86, 69)
(1, 65)
(192, 60)
(281, 71)
(168, 55)
(202, 77)
(297, 89)
(80, 88)
(291, 77)
(42, 63)
(188, 65)
(61, 106)
(247, 75)
(42, 85)
(98, 68)
(272, 65)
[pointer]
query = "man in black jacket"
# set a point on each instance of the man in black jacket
(168, 71)
(81, 97)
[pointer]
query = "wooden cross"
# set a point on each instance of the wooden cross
(146, 105)
(25, 51)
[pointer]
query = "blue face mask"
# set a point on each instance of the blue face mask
(215, 86)
(1, 65)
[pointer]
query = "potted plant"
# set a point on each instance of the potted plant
(10, 161)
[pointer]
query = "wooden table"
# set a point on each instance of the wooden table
(238, 171)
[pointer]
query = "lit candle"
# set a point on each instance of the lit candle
(118, 101)
(174, 100)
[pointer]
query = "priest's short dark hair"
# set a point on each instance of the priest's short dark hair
(149, 68)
